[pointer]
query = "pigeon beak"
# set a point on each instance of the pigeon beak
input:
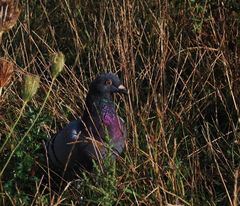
(122, 89)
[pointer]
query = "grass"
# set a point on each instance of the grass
(180, 62)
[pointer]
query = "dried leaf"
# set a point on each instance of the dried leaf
(6, 71)
(9, 13)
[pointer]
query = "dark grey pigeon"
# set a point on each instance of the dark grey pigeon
(84, 139)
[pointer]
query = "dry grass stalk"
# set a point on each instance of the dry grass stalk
(9, 13)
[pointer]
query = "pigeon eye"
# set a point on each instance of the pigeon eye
(108, 82)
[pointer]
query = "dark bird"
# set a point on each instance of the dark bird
(84, 139)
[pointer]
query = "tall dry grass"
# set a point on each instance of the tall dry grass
(180, 62)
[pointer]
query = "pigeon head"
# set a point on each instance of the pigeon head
(106, 84)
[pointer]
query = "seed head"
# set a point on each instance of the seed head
(31, 85)
(58, 60)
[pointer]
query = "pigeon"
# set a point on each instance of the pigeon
(88, 138)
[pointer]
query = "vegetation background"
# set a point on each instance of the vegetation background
(180, 61)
